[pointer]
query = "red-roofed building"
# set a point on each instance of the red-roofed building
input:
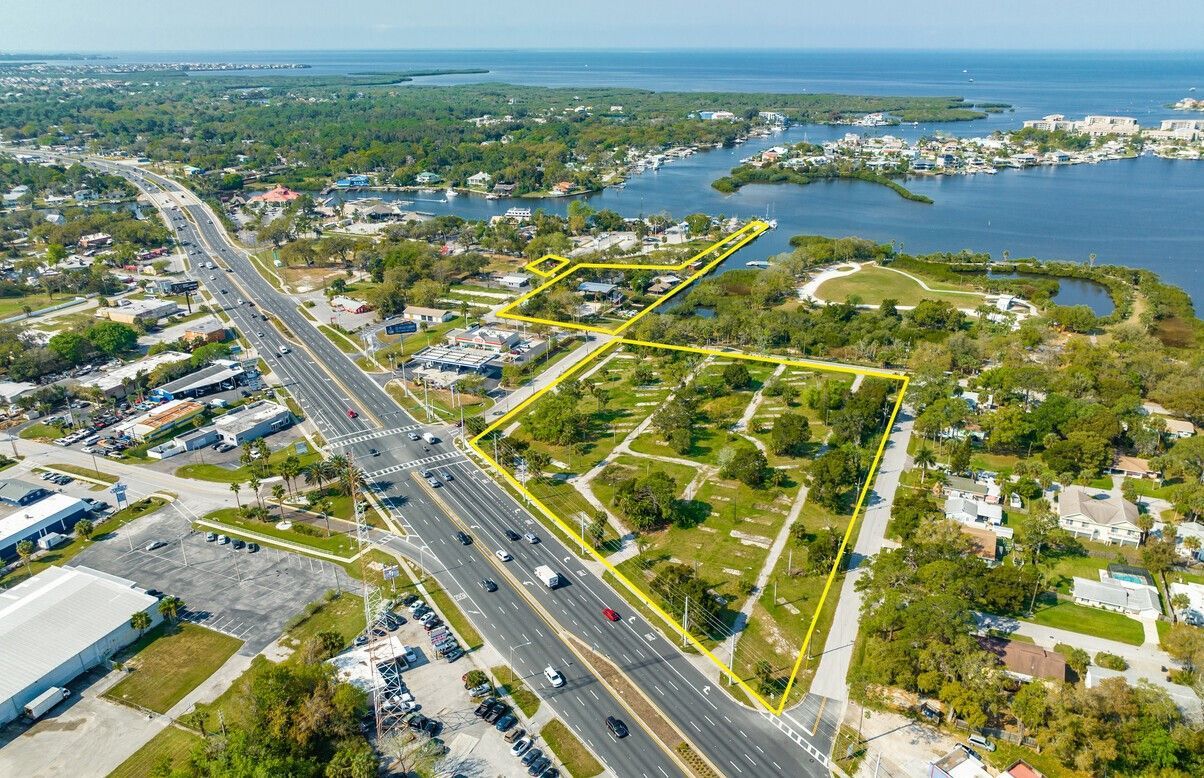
(281, 194)
(1021, 770)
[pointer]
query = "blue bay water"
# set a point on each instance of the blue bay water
(1143, 212)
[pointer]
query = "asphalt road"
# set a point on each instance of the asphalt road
(736, 739)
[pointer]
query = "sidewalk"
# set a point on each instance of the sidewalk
(518, 396)
(838, 650)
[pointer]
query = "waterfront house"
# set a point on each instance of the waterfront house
(480, 180)
(1098, 515)
(356, 180)
(562, 187)
(426, 178)
(504, 189)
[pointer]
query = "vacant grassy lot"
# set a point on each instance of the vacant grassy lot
(167, 664)
(344, 615)
(1090, 621)
(875, 284)
(172, 744)
(40, 431)
(344, 343)
(572, 753)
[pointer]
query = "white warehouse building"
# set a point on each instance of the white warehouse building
(56, 513)
(59, 624)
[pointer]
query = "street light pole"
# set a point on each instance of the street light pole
(510, 658)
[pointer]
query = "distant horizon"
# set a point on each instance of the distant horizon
(1108, 51)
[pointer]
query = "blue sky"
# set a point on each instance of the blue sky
(173, 25)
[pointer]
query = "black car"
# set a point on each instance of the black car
(532, 755)
(551, 772)
(511, 534)
(463, 538)
(488, 585)
(495, 713)
(409, 599)
(373, 452)
(616, 727)
(417, 723)
(252, 547)
(432, 727)
(505, 722)
(238, 543)
(432, 624)
(484, 707)
(538, 766)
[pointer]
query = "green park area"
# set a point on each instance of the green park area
(872, 284)
(572, 753)
(170, 747)
(168, 662)
(704, 460)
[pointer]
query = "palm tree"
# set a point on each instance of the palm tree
(170, 607)
(84, 528)
(351, 479)
(325, 506)
(25, 550)
(255, 483)
(236, 487)
(278, 495)
(925, 459)
(290, 468)
(140, 621)
(315, 474)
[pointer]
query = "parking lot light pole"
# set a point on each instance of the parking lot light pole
(511, 656)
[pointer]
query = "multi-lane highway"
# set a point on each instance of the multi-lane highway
(522, 619)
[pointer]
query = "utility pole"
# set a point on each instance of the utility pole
(685, 623)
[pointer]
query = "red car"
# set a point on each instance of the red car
(610, 614)
(351, 414)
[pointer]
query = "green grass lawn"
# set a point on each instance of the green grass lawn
(1090, 621)
(572, 753)
(523, 697)
(86, 472)
(171, 746)
(167, 664)
(344, 615)
(66, 552)
(345, 343)
(203, 471)
(15, 306)
(875, 284)
(40, 431)
(1064, 568)
(453, 615)
(230, 705)
(340, 544)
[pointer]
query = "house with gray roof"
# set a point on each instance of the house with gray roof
(1098, 515)
(1111, 595)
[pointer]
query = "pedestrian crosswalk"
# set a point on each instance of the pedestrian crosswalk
(447, 456)
(343, 441)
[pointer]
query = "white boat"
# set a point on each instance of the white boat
(450, 193)
(492, 196)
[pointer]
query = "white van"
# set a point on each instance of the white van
(979, 741)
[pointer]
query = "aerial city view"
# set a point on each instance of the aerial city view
(640, 390)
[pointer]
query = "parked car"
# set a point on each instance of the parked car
(520, 747)
(152, 545)
(532, 755)
(210, 537)
(538, 766)
(505, 722)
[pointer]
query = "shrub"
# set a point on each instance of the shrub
(1111, 661)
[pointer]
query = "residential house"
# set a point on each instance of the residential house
(1021, 769)
(1118, 596)
(562, 187)
(1179, 428)
(985, 543)
(426, 178)
(480, 180)
(965, 511)
(961, 762)
(969, 489)
(1026, 661)
(1098, 515)
(663, 284)
(1134, 467)
(504, 189)
(514, 281)
(356, 180)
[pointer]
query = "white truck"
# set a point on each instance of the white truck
(41, 704)
(429, 438)
(548, 576)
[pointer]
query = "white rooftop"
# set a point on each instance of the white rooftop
(21, 520)
(111, 379)
(60, 612)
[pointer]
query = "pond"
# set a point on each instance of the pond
(1073, 291)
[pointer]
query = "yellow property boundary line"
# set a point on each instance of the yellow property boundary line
(672, 622)
(733, 242)
(555, 259)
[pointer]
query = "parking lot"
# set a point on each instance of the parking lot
(248, 595)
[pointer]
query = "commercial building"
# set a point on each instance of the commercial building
(222, 374)
(56, 513)
(276, 196)
(428, 315)
(15, 492)
(60, 623)
(95, 240)
(11, 391)
(146, 311)
(251, 422)
(349, 304)
(171, 415)
(119, 381)
(208, 330)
